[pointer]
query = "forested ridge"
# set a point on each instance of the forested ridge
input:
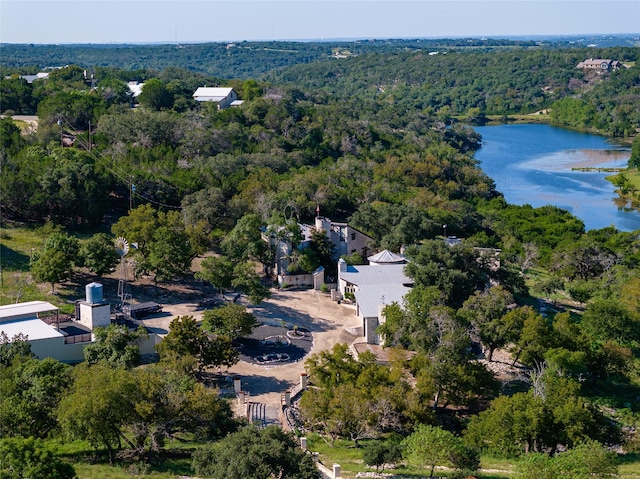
(227, 60)
(378, 140)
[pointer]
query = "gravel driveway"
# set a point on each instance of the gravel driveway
(328, 322)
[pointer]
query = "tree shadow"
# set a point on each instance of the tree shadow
(13, 260)
(257, 385)
(274, 314)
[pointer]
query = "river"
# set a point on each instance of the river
(531, 164)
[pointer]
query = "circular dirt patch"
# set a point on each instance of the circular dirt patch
(270, 346)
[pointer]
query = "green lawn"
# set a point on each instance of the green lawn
(175, 461)
(17, 245)
(350, 459)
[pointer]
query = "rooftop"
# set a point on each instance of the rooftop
(29, 309)
(34, 329)
(381, 284)
(213, 92)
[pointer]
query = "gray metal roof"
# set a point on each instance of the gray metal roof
(386, 256)
(23, 310)
(34, 329)
(377, 284)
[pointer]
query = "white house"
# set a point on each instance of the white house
(224, 97)
(38, 321)
(375, 286)
(49, 337)
(344, 238)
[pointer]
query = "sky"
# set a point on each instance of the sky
(185, 21)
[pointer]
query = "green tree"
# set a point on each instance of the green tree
(485, 311)
(139, 227)
(64, 242)
(168, 404)
(98, 254)
(190, 347)
(251, 90)
(322, 246)
(140, 408)
(155, 95)
(218, 271)
(115, 345)
(51, 266)
(456, 270)
(98, 406)
(163, 244)
(430, 446)
(71, 109)
(230, 320)
(31, 390)
(535, 338)
(11, 140)
(170, 253)
(587, 460)
(247, 280)
(550, 414)
(255, 453)
(609, 319)
(27, 458)
(245, 241)
(13, 349)
(379, 453)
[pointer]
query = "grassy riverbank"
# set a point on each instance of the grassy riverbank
(627, 183)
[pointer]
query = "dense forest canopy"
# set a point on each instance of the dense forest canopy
(227, 60)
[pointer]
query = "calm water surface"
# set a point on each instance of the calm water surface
(531, 164)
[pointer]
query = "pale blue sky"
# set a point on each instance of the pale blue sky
(165, 21)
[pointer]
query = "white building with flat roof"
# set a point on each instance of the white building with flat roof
(37, 321)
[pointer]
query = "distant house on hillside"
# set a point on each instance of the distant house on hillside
(599, 64)
(37, 76)
(224, 97)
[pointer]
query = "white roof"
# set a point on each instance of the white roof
(27, 309)
(382, 284)
(386, 256)
(213, 93)
(135, 88)
(34, 329)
